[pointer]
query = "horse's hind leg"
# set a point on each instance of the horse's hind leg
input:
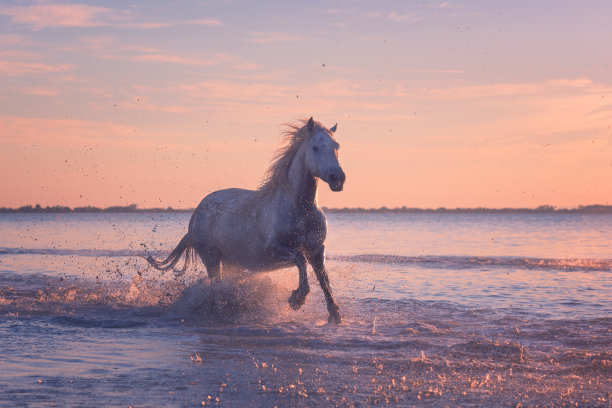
(211, 259)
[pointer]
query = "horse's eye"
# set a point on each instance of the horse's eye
(315, 149)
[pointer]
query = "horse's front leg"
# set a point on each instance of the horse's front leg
(317, 260)
(286, 253)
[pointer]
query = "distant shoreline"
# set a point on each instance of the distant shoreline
(544, 209)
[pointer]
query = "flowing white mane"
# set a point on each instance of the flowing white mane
(293, 136)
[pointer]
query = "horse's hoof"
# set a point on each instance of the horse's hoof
(296, 300)
(334, 318)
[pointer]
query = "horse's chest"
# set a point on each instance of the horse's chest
(306, 232)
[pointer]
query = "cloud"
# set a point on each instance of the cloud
(271, 37)
(21, 129)
(433, 71)
(145, 24)
(549, 87)
(12, 39)
(411, 18)
(18, 54)
(144, 102)
(18, 68)
(68, 132)
(174, 59)
(18, 62)
(195, 61)
(153, 24)
(39, 91)
(237, 92)
(58, 15)
(605, 110)
(206, 21)
(246, 66)
(83, 15)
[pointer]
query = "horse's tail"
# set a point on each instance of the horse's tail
(175, 256)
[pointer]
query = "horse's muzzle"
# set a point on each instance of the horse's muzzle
(336, 180)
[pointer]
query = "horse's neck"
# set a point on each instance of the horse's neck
(302, 185)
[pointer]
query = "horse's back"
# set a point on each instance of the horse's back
(219, 203)
(226, 197)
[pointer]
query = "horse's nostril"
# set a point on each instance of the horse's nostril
(333, 178)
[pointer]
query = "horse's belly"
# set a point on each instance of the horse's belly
(255, 263)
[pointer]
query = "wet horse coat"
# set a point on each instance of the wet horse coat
(276, 226)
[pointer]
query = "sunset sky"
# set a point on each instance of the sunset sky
(453, 103)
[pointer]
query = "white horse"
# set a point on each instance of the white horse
(276, 226)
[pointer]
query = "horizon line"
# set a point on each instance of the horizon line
(133, 208)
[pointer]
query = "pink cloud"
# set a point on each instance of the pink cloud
(175, 59)
(17, 68)
(433, 71)
(411, 18)
(207, 22)
(83, 15)
(548, 87)
(228, 90)
(20, 129)
(246, 66)
(57, 15)
(66, 132)
(149, 24)
(271, 37)
(12, 39)
(39, 91)
(217, 59)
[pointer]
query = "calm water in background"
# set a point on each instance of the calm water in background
(443, 309)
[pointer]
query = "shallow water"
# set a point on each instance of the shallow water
(440, 309)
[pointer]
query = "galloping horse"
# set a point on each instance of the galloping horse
(276, 226)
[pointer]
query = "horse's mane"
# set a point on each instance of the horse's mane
(293, 136)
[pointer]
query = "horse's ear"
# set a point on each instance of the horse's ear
(333, 128)
(310, 124)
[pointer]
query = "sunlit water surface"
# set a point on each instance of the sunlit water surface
(439, 309)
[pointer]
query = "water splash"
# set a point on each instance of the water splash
(256, 298)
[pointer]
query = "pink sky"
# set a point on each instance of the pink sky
(454, 104)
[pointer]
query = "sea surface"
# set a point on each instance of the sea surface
(439, 310)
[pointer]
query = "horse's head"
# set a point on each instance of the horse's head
(321, 153)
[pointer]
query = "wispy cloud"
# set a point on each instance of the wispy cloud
(42, 16)
(410, 18)
(174, 59)
(17, 68)
(39, 91)
(19, 54)
(13, 39)
(18, 62)
(145, 24)
(217, 59)
(58, 15)
(229, 90)
(432, 71)
(205, 21)
(549, 87)
(18, 130)
(111, 48)
(245, 66)
(271, 37)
